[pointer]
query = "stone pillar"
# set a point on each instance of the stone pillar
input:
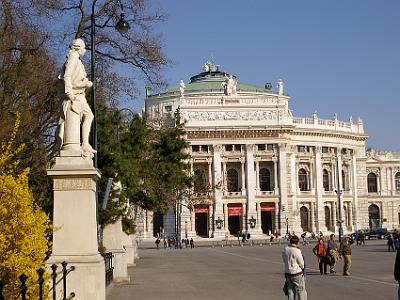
(296, 222)
(340, 188)
(319, 192)
(250, 192)
(75, 226)
(224, 179)
(356, 224)
(218, 206)
(243, 177)
(128, 242)
(283, 212)
(257, 175)
(113, 241)
(276, 189)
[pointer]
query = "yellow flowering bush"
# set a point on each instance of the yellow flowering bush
(23, 225)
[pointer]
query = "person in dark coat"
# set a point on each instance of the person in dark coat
(397, 272)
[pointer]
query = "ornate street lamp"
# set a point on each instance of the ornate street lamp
(122, 27)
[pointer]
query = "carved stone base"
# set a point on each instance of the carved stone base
(75, 225)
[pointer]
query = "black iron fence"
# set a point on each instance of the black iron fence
(21, 293)
(108, 260)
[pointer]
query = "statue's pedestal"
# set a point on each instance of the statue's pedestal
(113, 241)
(75, 226)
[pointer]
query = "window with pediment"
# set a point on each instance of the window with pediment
(303, 180)
(265, 179)
(326, 180)
(372, 183)
(397, 181)
(200, 181)
(232, 180)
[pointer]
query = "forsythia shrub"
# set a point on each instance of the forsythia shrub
(23, 225)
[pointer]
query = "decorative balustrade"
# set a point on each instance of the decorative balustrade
(316, 123)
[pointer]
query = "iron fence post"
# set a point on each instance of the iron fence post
(54, 276)
(23, 286)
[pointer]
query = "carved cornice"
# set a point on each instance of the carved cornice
(342, 135)
(231, 134)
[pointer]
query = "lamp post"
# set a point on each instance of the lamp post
(339, 193)
(122, 27)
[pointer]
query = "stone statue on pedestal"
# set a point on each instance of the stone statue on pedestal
(73, 83)
(182, 87)
(229, 85)
(280, 87)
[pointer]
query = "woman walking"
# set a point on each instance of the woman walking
(320, 251)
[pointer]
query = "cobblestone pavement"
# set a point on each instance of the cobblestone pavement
(252, 272)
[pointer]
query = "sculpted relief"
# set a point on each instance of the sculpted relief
(232, 115)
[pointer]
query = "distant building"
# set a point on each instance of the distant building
(269, 171)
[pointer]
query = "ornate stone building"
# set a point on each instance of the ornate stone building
(266, 170)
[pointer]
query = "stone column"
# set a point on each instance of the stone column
(75, 226)
(296, 222)
(218, 207)
(257, 175)
(356, 221)
(283, 212)
(276, 189)
(243, 177)
(224, 179)
(319, 191)
(250, 192)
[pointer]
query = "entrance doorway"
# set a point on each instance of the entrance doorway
(235, 213)
(267, 217)
(201, 220)
(158, 224)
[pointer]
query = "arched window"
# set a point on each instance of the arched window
(232, 180)
(200, 181)
(374, 218)
(304, 218)
(344, 181)
(303, 181)
(265, 179)
(328, 218)
(372, 183)
(325, 180)
(397, 181)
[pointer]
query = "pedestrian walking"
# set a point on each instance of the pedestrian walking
(345, 252)
(158, 242)
(320, 251)
(191, 243)
(304, 236)
(333, 253)
(396, 240)
(390, 243)
(397, 272)
(294, 287)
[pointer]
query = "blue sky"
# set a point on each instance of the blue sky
(334, 56)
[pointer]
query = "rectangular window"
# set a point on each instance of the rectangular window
(228, 147)
(344, 151)
(301, 149)
(238, 148)
(270, 147)
(204, 148)
(325, 150)
(261, 147)
(195, 148)
(168, 108)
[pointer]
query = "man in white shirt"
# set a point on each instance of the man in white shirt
(294, 270)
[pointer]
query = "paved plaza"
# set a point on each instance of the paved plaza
(252, 272)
